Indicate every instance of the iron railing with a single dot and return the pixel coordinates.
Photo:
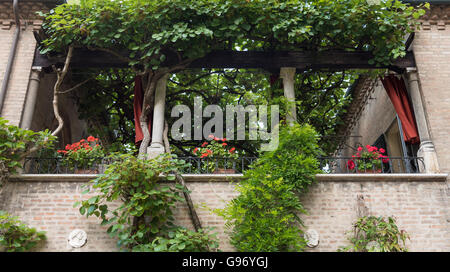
(389, 165)
(196, 165)
(34, 165)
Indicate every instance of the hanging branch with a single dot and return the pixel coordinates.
(61, 74)
(76, 86)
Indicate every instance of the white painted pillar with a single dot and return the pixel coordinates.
(157, 146)
(288, 76)
(30, 103)
(426, 149)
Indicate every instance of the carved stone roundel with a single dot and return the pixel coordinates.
(312, 238)
(77, 238)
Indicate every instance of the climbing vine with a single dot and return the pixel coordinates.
(137, 207)
(15, 236)
(265, 216)
(16, 144)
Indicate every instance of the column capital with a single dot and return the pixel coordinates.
(36, 73)
(287, 72)
(412, 74)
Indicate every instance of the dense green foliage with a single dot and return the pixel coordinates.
(15, 143)
(145, 211)
(106, 102)
(377, 234)
(146, 31)
(150, 34)
(182, 240)
(265, 216)
(15, 236)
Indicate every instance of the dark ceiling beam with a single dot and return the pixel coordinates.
(241, 59)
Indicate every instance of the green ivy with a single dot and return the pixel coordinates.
(146, 203)
(15, 236)
(146, 32)
(377, 234)
(182, 240)
(265, 216)
(15, 142)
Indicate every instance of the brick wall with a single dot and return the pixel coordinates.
(20, 73)
(432, 52)
(418, 204)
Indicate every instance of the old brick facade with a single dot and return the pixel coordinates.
(418, 203)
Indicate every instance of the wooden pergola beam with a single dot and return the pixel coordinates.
(334, 60)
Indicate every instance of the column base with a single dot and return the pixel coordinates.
(155, 150)
(430, 161)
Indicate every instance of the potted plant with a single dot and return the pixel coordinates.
(219, 159)
(368, 160)
(83, 155)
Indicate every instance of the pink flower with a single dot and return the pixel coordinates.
(360, 149)
(382, 150)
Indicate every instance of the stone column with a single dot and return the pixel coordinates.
(30, 103)
(157, 146)
(288, 76)
(426, 149)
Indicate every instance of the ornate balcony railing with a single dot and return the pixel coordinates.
(196, 165)
(389, 165)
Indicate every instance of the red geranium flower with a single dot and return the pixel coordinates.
(351, 165)
(91, 139)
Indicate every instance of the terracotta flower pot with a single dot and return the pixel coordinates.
(224, 171)
(86, 171)
(368, 171)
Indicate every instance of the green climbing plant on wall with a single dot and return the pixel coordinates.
(132, 198)
(265, 216)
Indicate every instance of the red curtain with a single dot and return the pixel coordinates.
(396, 90)
(137, 105)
